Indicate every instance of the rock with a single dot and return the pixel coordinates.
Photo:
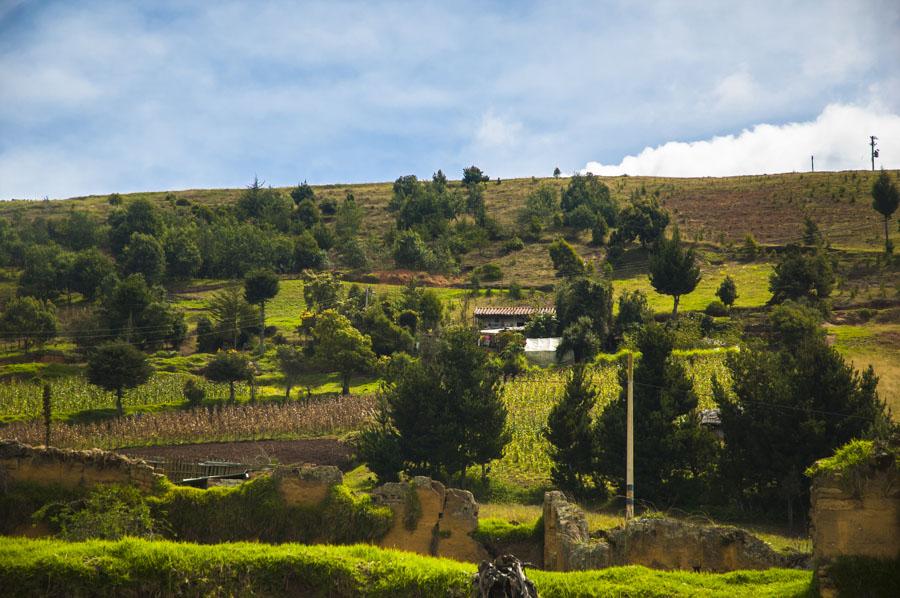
(458, 521)
(659, 543)
(416, 515)
(307, 485)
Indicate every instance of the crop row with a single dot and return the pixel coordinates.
(220, 423)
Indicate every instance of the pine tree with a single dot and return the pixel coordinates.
(569, 433)
(673, 269)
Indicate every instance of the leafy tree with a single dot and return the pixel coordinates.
(566, 261)
(78, 231)
(885, 199)
(264, 205)
(387, 337)
(233, 316)
(579, 338)
(801, 275)
(307, 253)
(645, 220)
(786, 410)
(446, 407)
(426, 302)
(427, 207)
(88, 270)
(229, 366)
(473, 174)
(307, 213)
(410, 251)
(586, 297)
(338, 346)
(133, 311)
(29, 320)
(302, 192)
(117, 366)
(193, 392)
(793, 324)
(321, 290)
(378, 445)
(727, 291)
(348, 219)
(671, 461)
(811, 233)
(140, 216)
(510, 346)
(439, 180)
(259, 287)
(183, 258)
(634, 312)
(589, 191)
(582, 217)
(43, 275)
(569, 433)
(556, 172)
(673, 269)
(475, 203)
(541, 326)
(144, 255)
(293, 365)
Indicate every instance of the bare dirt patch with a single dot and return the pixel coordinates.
(321, 451)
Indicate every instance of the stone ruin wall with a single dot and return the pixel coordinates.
(71, 469)
(658, 543)
(858, 517)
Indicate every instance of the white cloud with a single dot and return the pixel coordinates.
(737, 90)
(838, 139)
(496, 131)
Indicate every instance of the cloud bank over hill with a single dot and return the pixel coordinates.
(838, 139)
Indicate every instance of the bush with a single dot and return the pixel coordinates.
(716, 309)
(490, 272)
(194, 393)
(513, 244)
(108, 513)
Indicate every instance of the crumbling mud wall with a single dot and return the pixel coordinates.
(855, 511)
(430, 519)
(659, 543)
(71, 469)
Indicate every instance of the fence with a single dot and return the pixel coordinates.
(181, 469)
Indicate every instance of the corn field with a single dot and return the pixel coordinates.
(74, 393)
(529, 398)
(221, 423)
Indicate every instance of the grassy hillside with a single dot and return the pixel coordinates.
(715, 210)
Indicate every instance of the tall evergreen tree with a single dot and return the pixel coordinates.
(885, 199)
(569, 433)
(672, 452)
(673, 269)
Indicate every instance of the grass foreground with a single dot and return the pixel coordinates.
(140, 567)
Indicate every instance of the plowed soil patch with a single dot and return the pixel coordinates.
(321, 451)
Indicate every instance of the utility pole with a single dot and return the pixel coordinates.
(872, 144)
(812, 163)
(629, 443)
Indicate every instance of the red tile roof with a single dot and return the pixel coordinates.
(514, 311)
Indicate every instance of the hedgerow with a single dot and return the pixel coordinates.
(158, 568)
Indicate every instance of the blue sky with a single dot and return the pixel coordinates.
(97, 97)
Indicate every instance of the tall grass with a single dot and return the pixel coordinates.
(214, 424)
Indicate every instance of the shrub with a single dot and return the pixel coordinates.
(513, 244)
(194, 393)
(490, 272)
(108, 513)
(716, 309)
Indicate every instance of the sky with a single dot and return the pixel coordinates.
(99, 97)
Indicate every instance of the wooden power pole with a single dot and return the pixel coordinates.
(629, 443)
